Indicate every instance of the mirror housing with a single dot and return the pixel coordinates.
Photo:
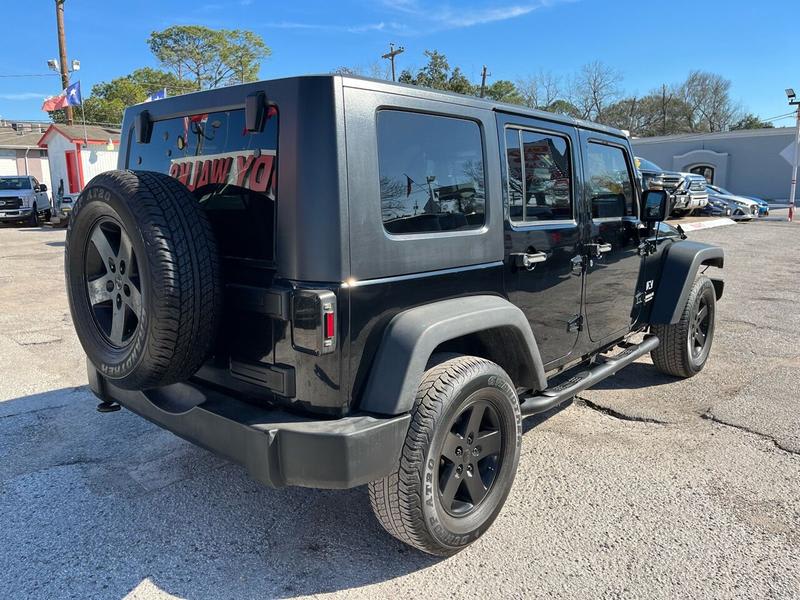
(655, 206)
(42, 187)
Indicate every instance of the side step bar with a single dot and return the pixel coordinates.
(562, 392)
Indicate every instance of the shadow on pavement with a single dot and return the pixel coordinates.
(635, 376)
(98, 505)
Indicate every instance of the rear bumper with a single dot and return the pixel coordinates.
(276, 447)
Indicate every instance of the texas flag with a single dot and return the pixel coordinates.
(69, 97)
(73, 94)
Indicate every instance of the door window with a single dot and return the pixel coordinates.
(609, 182)
(539, 181)
(431, 173)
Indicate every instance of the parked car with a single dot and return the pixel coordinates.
(716, 208)
(442, 265)
(742, 208)
(688, 190)
(23, 198)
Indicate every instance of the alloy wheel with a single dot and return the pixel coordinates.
(113, 284)
(470, 458)
(699, 329)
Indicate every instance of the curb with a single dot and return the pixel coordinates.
(697, 225)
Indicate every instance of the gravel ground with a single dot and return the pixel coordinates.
(644, 487)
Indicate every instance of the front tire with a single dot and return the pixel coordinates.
(459, 459)
(685, 345)
(34, 218)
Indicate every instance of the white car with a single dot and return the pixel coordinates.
(742, 209)
(23, 198)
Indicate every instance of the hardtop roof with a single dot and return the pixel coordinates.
(205, 98)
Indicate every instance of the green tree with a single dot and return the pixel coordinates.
(209, 57)
(563, 107)
(751, 121)
(108, 100)
(503, 90)
(438, 75)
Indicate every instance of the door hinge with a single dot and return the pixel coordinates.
(575, 323)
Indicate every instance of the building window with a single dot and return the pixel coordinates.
(704, 170)
(539, 181)
(431, 173)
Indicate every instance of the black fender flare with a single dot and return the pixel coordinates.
(412, 335)
(679, 268)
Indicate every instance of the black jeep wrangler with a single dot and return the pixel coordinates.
(335, 281)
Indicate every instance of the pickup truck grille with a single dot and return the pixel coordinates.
(698, 186)
(671, 181)
(8, 203)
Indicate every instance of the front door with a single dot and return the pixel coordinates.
(613, 246)
(542, 233)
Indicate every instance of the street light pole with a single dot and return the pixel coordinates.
(794, 102)
(794, 167)
(62, 54)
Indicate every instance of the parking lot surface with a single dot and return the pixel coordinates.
(645, 487)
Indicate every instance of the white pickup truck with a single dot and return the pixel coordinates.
(23, 198)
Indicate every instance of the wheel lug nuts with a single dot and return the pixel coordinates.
(469, 469)
(469, 439)
(459, 451)
(109, 286)
(122, 267)
(476, 450)
(459, 469)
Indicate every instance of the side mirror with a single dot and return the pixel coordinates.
(655, 206)
(42, 187)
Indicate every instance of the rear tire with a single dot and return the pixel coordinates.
(685, 345)
(143, 279)
(459, 459)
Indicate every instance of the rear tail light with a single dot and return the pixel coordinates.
(314, 321)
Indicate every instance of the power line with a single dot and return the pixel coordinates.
(31, 75)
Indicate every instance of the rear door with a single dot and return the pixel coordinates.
(613, 261)
(542, 224)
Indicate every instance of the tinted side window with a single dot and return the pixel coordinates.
(608, 182)
(539, 176)
(431, 173)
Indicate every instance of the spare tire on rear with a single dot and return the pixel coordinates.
(143, 278)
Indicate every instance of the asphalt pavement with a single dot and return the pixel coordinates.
(644, 487)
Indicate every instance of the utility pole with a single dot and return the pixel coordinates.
(794, 102)
(391, 54)
(663, 109)
(62, 54)
(484, 74)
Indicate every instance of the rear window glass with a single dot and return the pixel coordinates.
(231, 172)
(431, 173)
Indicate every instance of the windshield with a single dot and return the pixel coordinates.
(646, 165)
(15, 183)
(719, 190)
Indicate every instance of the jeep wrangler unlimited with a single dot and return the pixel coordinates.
(335, 281)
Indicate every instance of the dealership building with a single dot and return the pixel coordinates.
(750, 162)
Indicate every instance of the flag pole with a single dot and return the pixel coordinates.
(85, 135)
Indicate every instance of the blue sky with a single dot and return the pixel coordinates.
(754, 44)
